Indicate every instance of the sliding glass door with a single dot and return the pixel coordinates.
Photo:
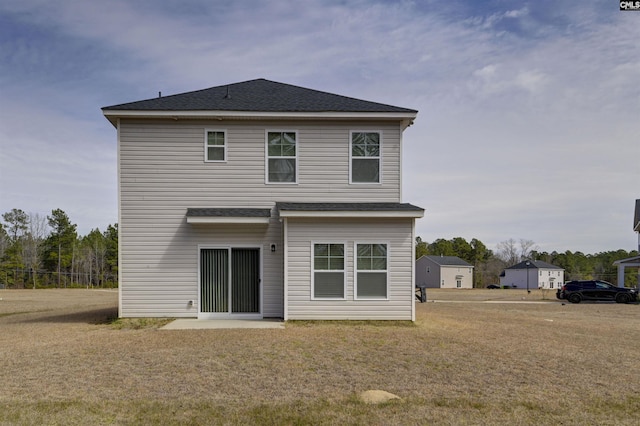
(229, 281)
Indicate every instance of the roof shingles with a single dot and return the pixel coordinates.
(258, 95)
(534, 264)
(363, 207)
(449, 261)
(228, 212)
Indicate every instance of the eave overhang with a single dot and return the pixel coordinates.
(243, 216)
(406, 119)
(349, 210)
(631, 261)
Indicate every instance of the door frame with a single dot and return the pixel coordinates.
(231, 315)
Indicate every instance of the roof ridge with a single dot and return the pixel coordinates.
(260, 95)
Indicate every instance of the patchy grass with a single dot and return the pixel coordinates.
(471, 357)
(351, 324)
(138, 323)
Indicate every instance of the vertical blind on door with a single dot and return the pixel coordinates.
(220, 280)
(214, 279)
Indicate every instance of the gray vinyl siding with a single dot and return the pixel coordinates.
(160, 269)
(164, 162)
(162, 172)
(395, 232)
(432, 278)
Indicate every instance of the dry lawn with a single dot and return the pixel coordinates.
(64, 360)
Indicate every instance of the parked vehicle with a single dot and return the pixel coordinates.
(577, 291)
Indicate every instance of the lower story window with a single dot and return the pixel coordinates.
(371, 271)
(328, 271)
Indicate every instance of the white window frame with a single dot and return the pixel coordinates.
(206, 145)
(313, 270)
(379, 157)
(267, 157)
(356, 270)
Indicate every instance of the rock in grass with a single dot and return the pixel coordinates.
(377, 396)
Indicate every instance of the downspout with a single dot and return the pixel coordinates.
(413, 271)
(119, 222)
(285, 250)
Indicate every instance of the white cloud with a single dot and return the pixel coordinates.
(52, 161)
(516, 13)
(525, 123)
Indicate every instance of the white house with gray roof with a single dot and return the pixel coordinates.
(632, 262)
(532, 275)
(443, 272)
(262, 199)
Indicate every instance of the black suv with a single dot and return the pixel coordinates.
(577, 291)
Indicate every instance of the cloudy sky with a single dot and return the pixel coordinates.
(528, 124)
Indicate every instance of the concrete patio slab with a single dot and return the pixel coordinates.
(196, 324)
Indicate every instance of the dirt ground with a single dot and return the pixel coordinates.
(472, 356)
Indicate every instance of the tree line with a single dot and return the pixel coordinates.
(43, 252)
(489, 264)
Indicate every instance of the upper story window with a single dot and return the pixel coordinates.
(365, 157)
(215, 145)
(282, 157)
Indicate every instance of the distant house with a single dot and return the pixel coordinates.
(262, 199)
(632, 262)
(636, 221)
(444, 272)
(532, 275)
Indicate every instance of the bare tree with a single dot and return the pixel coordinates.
(34, 244)
(510, 253)
(507, 251)
(95, 242)
(526, 247)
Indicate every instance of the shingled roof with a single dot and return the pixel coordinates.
(258, 95)
(287, 209)
(228, 215)
(448, 261)
(228, 212)
(348, 207)
(534, 264)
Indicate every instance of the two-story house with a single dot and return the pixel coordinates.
(632, 262)
(261, 199)
(532, 275)
(443, 272)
